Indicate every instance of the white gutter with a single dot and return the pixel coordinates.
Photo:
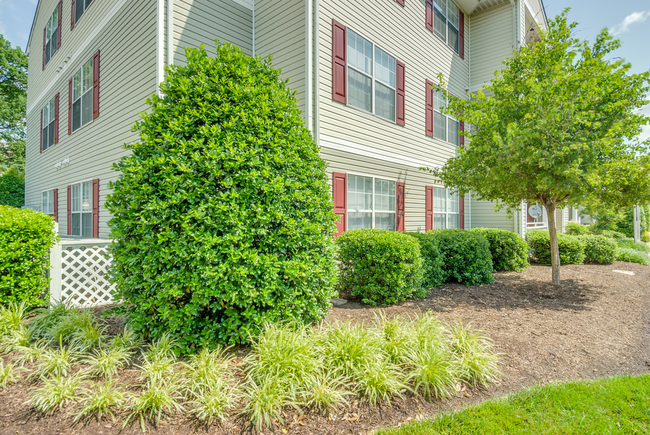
(317, 75)
(309, 69)
(160, 45)
(170, 32)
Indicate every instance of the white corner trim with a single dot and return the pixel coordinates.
(160, 45)
(170, 32)
(309, 33)
(249, 4)
(363, 150)
(73, 57)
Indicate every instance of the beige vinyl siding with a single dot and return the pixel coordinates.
(127, 78)
(199, 22)
(484, 215)
(402, 33)
(280, 31)
(491, 43)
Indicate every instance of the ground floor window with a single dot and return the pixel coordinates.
(446, 210)
(371, 203)
(47, 202)
(82, 209)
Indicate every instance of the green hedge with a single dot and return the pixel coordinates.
(633, 256)
(599, 249)
(576, 229)
(381, 267)
(631, 244)
(12, 190)
(433, 261)
(466, 256)
(612, 234)
(572, 249)
(509, 250)
(222, 214)
(25, 239)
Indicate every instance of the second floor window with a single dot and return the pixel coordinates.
(444, 127)
(81, 209)
(446, 210)
(82, 96)
(371, 203)
(80, 7)
(47, 202)
(447, 22)
(51, 35)
(371, 77)
(49, 123)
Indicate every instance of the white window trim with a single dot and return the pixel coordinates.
(372, 78)
(76, 21)
(372, 221)
(48, 124)
(47, 40)
(447, 118)
(50, 206)
(81, 94)
(92, 224)
(447, 213)
(446, 15)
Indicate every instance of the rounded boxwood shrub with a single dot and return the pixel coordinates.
(576, 229)
(12, 190)
(612, 234)
(25, 239)
(509, 250)
(466, 256)
(222, 214)
(599, 249)
(381, 267)
(433, 262)
(572, 249)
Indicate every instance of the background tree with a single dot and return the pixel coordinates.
(557, 126)
(13, 98)
(222, 215)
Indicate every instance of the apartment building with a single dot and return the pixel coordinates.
(361, 69)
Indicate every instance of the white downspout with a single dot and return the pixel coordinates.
(170, 32)
(514, 24)
(309, 69)
(160, 46)
(317, 74)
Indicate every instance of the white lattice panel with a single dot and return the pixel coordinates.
(84, 275)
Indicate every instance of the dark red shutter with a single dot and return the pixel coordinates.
(41, 130)
(58, 42)
(401, 2)
(72, 16)
(56, 205)
(401, 84)
(96, 85)
(70, 107)
(400, 206)
(462, 130)
(429, 18)
(69, 210)
(96, 208)
(56, 118)
(44, 41)
(461, 209)
(339, 63)
(340, 197)
(428, 207)
(461, 42)
(429, 109)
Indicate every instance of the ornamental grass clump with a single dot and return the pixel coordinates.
(475, 355)
(7, 374)
(12, 317)
(100, 400)
(105, 363)
(56, 392)
(224, 221)
(157, 399)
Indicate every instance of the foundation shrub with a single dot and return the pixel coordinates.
(380, 267)
(432, 260)
(599, 249)
(633, 256)
(572, 248)
(576, 229)
(466, 256)
(509, 250)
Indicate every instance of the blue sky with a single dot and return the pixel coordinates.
(629, 20)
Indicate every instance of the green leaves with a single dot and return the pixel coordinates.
(222, 214)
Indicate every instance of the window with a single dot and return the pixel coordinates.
(82, 209)
(80, 7)
(446, 22)
(446, 211)
(371, 77)
(445, 127)
(51, 36)
(47, 202)
(371, 203)
(82, 96)
(49, 122)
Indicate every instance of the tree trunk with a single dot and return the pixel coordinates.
(555, 248)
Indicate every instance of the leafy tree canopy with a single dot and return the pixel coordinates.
(557, 126)
(13, 98)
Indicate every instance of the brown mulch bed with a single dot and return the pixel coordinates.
(596, 325)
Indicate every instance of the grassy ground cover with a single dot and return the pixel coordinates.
(618, 405)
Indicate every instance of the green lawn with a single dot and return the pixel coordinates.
(619, 405)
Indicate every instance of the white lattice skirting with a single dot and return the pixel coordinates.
(79, 273)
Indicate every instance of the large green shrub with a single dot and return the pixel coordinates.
(509, 250)
(12, 190)
(433, 262)
(379, 266)
(466, 256)
(612, 234)
(576, 229)
(572, 249)
(25, 239)
(599, 249)
(222, 215)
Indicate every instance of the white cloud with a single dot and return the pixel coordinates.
(633, 18)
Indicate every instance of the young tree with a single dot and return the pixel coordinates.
(222, 215)
(13, 98)
(557, 126)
